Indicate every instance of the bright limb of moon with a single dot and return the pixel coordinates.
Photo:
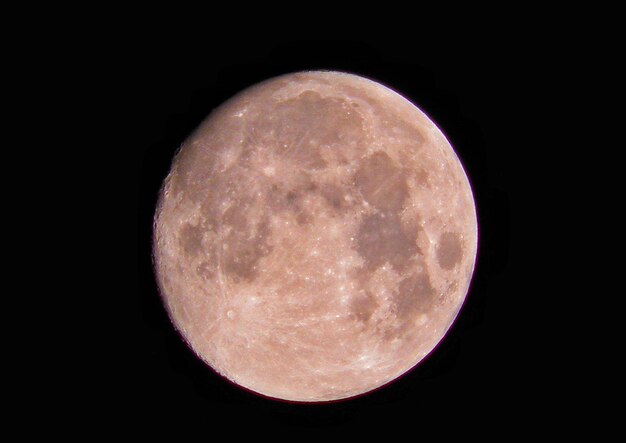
(315, 237)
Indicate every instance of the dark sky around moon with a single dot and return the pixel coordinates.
(470, 94)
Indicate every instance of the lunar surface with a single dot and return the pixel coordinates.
(315, 237)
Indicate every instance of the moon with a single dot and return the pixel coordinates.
(315, 237)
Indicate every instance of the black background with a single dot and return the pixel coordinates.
(478, 92)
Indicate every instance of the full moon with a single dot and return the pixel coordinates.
(315, 237)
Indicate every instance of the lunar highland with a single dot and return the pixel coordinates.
(315, 237)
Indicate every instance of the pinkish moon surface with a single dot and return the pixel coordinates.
(315, 237)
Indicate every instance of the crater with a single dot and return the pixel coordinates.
(406, 132)
(382, 238)
(449, 250)
(381, 183)
(205, 271)
(243, 253)
(335, 196)
(246, 242)
(299, 126)
(303, 217)
(291, 198)
(219, 188)
(414, 298)
(363, 306)
(191, 239)
(283, 199)
(415, 295)
(421, 177)
(193, 166)
(393, 125)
